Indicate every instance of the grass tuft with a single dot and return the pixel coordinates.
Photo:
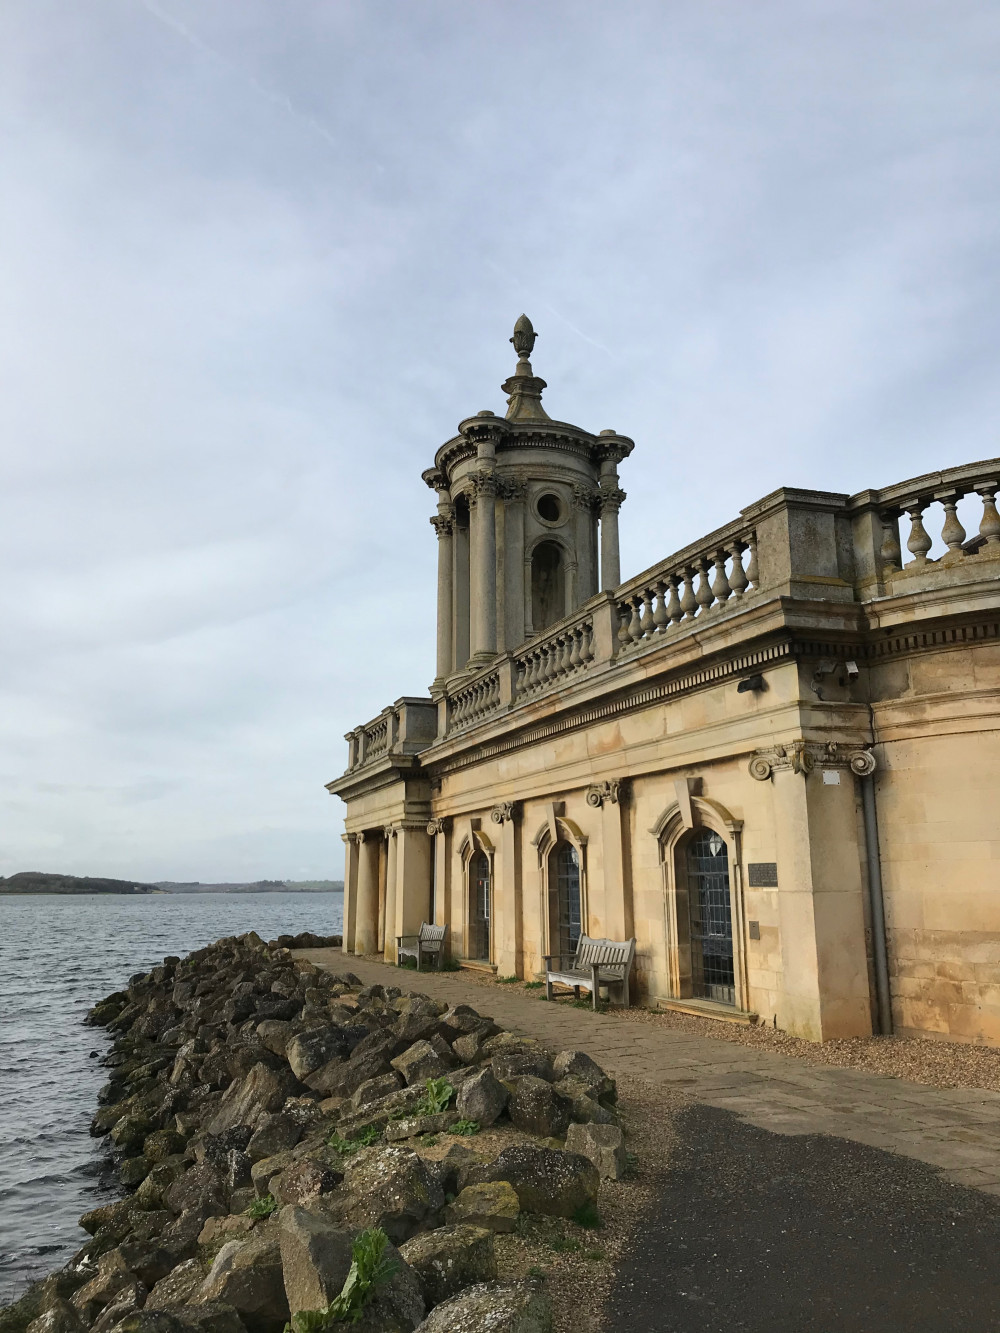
(533, 985)
(507, 981)
(347, 1146)
(466, 1127)
(261, 1208)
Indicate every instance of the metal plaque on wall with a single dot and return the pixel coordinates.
(763, 874)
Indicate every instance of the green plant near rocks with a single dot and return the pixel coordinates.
(587, 1216)
(369, 1270)
(407, 960)
(450, 965)
(533, 985)
(507, 981)
(438, 1092)
(347, 1146)
(261, 1208)
(466, 1127)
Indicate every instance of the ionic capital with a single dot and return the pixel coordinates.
(804, 756)
(435, 826)
(611, 791)
(505, 812)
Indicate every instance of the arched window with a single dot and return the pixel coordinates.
(712, 971)
(479, 906)
(548, 586)
(564, 875)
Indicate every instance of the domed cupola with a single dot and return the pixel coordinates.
(520, 498)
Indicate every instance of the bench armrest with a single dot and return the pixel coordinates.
(401, 938)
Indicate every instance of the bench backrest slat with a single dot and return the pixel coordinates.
(602, 953)
(431, 934)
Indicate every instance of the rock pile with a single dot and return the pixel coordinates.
(266, 1114)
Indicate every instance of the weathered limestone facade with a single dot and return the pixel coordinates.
(748, 757)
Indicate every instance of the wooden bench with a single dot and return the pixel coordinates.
(427, 943)
(596, 963)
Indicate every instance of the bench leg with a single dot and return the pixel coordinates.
(576, 992)
(548, 989)
(419, 955)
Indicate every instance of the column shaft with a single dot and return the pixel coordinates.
(484, 570)
(413, 879)
(389, 940)
(611, 569)
(445, 598)
(350, 889)
(366, 916)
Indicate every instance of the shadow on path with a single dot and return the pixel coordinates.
(758, 1231)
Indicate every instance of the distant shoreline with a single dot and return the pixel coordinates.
(32, 883)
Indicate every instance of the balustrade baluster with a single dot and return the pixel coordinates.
(738, 578)
(646, 619)
(574, 652)
(689, 603)
(703, 592)
(721, 590)
(918, 543)
(587, 643)
(624, 620)
(752, 575)
(660, 618)
(892, 556)
(989, 529)
(635, 624)
(533, 664)
(952, 533)
(674, 611)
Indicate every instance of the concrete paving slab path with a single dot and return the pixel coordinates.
(955, 1130)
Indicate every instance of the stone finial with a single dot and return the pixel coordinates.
(524, 389)
(524, 338)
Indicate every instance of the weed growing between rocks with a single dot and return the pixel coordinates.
(369, 1270)
(261, 1208)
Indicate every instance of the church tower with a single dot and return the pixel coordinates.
(527, 522)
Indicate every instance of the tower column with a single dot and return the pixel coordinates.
(484, 568)
(444, 527)
(611, 565)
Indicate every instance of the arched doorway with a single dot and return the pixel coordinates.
(712, 968)
(479, 907)
(548, 586)
(564, 878)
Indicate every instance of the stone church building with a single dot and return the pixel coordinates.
(773, 758)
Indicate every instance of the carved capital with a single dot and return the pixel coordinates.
(436, 826)
(513, 487)
(586, 499)
(611, 500)
(483, 486)
(505, 812)
(443, 525)
(610, 791)
(804, 756)
(389, 831)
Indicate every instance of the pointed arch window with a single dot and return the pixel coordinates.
(564, 875)
(480, 906)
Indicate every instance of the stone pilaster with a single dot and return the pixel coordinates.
(389, 921)
(507, 908)
(366, 916)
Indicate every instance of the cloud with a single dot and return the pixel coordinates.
(258, 261)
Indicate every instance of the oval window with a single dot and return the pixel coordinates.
(549, 508)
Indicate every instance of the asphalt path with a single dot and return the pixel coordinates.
(755, 1231)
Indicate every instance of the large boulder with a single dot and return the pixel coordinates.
(482, 1097)
(604, 1145)
(277, 1133)
(579, 1065)
(493, 1205)
(584, 1107)
(546, 1180)
(309, 1050)
(420, 1062)
(342, 1078)
(113, 1274)
(247, 1275)
(60, 1317)
(304, 1180)
(213, 1317)
(274, 1034)
(178, 1287)
(535, 1108)
(248, 1100)
(201, 1189)
(374, 1089)
(315, 1259)
(449, 1259)
(493, 1307)
(392, 1188)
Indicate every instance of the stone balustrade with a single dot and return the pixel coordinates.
(697, 582)
(909, 503)
(561, 653)
(475, 700)
(790, 545)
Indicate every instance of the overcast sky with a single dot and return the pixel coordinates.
(259, 257)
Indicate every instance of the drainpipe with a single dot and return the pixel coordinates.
(877, 905)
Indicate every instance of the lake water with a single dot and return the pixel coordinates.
(58, 956)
